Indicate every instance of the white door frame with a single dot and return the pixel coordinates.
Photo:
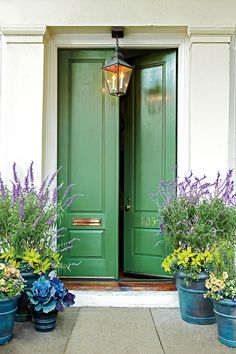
(133, 40)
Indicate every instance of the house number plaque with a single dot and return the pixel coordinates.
(148, 221)
(87, 222)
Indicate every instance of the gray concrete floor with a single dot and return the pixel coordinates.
(117, 331)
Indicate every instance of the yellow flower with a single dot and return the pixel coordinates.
(208, 255)
(2, 266)
(32, 257)
(167, 263)
(2, 282)
(197, 261)
(185, 256)
(220, 283)
(208, 284)
(225, 275)
(214, 288)
(175, 253)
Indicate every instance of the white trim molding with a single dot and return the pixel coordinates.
(210, 34)
(232, 106)
(23, 34)
(140, 39)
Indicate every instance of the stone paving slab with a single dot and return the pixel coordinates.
(179, 337)
(27, 341)
(114, 331)
(117, 331)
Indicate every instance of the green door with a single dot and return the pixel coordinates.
(88, 153)
(150, 156)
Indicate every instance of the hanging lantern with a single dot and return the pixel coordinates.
(117, 73)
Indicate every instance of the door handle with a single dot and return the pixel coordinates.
(128, 206)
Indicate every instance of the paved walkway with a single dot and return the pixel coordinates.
(117, 331)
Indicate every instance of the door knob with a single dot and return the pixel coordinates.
(128, 206)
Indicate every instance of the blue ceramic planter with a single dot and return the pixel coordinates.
(44, 322)
(194, 307)
(23, 312)
(7, 314)
(225, 311)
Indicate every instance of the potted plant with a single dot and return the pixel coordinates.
(31, 265)
(11, 285)
(28, 219)
(196, 217)
(191, 270)
(221, 288)
(48, 296)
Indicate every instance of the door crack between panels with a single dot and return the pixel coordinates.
(158, 336)
(64, 352)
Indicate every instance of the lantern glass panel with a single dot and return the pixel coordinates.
(111, 79)
(117, 79)
(124, 75)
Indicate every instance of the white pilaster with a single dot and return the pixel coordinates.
(209, 99)
(21, 98)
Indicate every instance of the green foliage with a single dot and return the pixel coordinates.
(28, 222)
(196, 213)
(200, 217)
(189, 262)
(32, 260)
(200, 225)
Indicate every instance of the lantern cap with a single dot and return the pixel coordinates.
(117, 58)
(117, 32)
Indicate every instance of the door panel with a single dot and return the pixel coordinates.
(88, 153)
(150, 156)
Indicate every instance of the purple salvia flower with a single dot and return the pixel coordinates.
(2, 188)
(38, 218)
(55, 193)
(41, 193)
(26, 183)
(162, 228)
(53, 178)
(67, 191)
(50, 221)
(31, 173)
(15, 173)
(70, 201)
(21, 212)
(16, 191)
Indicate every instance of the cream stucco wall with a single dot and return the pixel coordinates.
(21, 103)
(123, 12)
(209, 107)
(206, 133)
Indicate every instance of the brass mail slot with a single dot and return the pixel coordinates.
(86, 222)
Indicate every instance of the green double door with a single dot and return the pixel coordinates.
(88, 151)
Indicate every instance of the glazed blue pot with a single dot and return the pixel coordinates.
(225, 311)
(194, 307)
(7, 314)
(44, 322)
(23, 312)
